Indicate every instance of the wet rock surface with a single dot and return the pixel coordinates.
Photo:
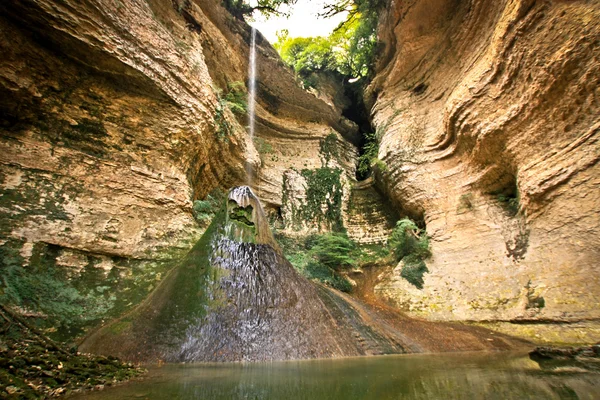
(556, 358)
(240, 300)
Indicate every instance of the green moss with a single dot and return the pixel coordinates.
(33, 367)
(323, 204)
(120, 326)
(328, 147)
(43, 288)
(242, 215)
(68, 301)
(198, 282)
(234, 99)
(42, 195)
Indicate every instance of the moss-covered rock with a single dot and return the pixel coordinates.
(34, 367)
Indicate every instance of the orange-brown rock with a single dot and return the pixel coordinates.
(113, 122)
(491, 118)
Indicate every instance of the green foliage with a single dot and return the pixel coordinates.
(322, 257)
(241, 8)
(407, 238)
(370, 154)
(235, 100)
(41, 288)
(510, 203)
(357, 39)
(307, 55)
(411, 245)
(329, 148)
(323, 203)
(223, 125)
(323, 197)
(323, 274)
(205, 210)
(413, 270)
(350, 50)
(334, 250)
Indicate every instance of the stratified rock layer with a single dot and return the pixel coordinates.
(112, 121)
(491, 118)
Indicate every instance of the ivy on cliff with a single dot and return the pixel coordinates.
(323, 197)
(323, 258)
(234, 99)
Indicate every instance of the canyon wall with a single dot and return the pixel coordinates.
(114, 119)
(490, 119)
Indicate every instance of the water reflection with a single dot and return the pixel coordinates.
(456, 376)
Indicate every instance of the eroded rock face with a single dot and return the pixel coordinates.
(112, 123)
(490, 111)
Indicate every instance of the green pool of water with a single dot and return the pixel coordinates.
(432, 376)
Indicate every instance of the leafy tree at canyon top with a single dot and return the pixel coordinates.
(349, 50)
(241, 8)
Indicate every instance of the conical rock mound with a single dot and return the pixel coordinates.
(236, 298)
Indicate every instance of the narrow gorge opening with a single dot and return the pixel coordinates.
(358, 113)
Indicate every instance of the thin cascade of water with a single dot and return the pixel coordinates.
(251, 94)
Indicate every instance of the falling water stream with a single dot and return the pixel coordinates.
(235, 298)
(251, 95)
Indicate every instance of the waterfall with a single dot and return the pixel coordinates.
(251, 94)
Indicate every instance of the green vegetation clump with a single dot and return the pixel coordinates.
(323, 258)
(465, 202)
(242, 8)
(205, 210)
(510, 203)
(323, 204)
(370, 156)
(328, 147)
(334, 250)
(411, 245)
(32, 366)
(324, 197)
(349, 51)
(235, 100)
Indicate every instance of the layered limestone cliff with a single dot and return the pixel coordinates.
(491, 117)
(113, 121)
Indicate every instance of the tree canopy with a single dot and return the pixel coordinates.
(349, 50)
(241, 8)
